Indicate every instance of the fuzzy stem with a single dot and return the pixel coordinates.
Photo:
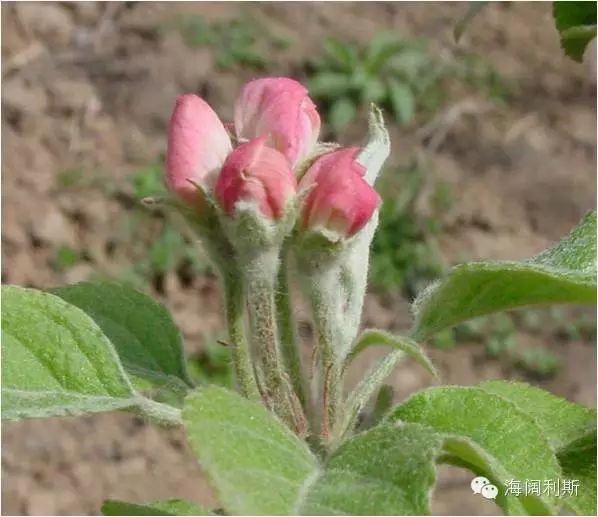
(260, 272)
(233, 303)
(289, 346)
(327, 306)
(163, 414)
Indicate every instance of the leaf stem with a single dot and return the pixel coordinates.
(162, 413)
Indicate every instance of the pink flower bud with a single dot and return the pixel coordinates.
(198, 144)
(341, 200)
(279, 108)
(254, 172)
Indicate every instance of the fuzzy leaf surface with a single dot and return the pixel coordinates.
(388, 470)
(561, 421)
(578, 461)
(142, 331)
(55, 360)
(565, 273)
(571, 430)
(257, 465)
(167, 507)
(490, 435)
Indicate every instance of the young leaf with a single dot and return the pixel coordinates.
(565, 273)
(402, 100)
(388, 470)
(360, 396)
(374, 337)
(257, 465)
(56, 360)
(576, 23)
(168, 507)
(147, 340)
(578, 461)
(490, 433)
(382, 405)
(561, 421)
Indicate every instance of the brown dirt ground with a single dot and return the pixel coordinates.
(90, 86)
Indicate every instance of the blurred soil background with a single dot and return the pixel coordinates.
(494, 156)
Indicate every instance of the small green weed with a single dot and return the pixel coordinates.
(213, 364)
(399, 74)
(404, 255)
(499, 334)
(65, 258)
(170, 250)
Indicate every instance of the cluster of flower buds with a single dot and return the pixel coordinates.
(264, 188)
(276, 129)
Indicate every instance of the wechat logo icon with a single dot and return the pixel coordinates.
(482, 486)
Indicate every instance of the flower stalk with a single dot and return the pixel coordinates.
(241, 355)
(287, 331)
(259, 277)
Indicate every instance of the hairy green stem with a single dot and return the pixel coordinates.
(287, 331)
(241, 355)
(327, 306)
(260, 273)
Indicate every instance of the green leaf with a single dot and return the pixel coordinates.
(375, 337)
(55, 359)
(576, 23)
(402, 100)
(571, 431)
(388, 470)
(168, 507)
(341, 113)
(380, 52)
(463, 452)
(491, 434)
(578, 461)
(472, 10)
(561, 421)
(148, 342)
(382, 405)
(565, 273)
(257, 465)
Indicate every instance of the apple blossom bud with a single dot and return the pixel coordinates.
(256, 173)
(279, 108)
(198, 145)
(340, 200)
